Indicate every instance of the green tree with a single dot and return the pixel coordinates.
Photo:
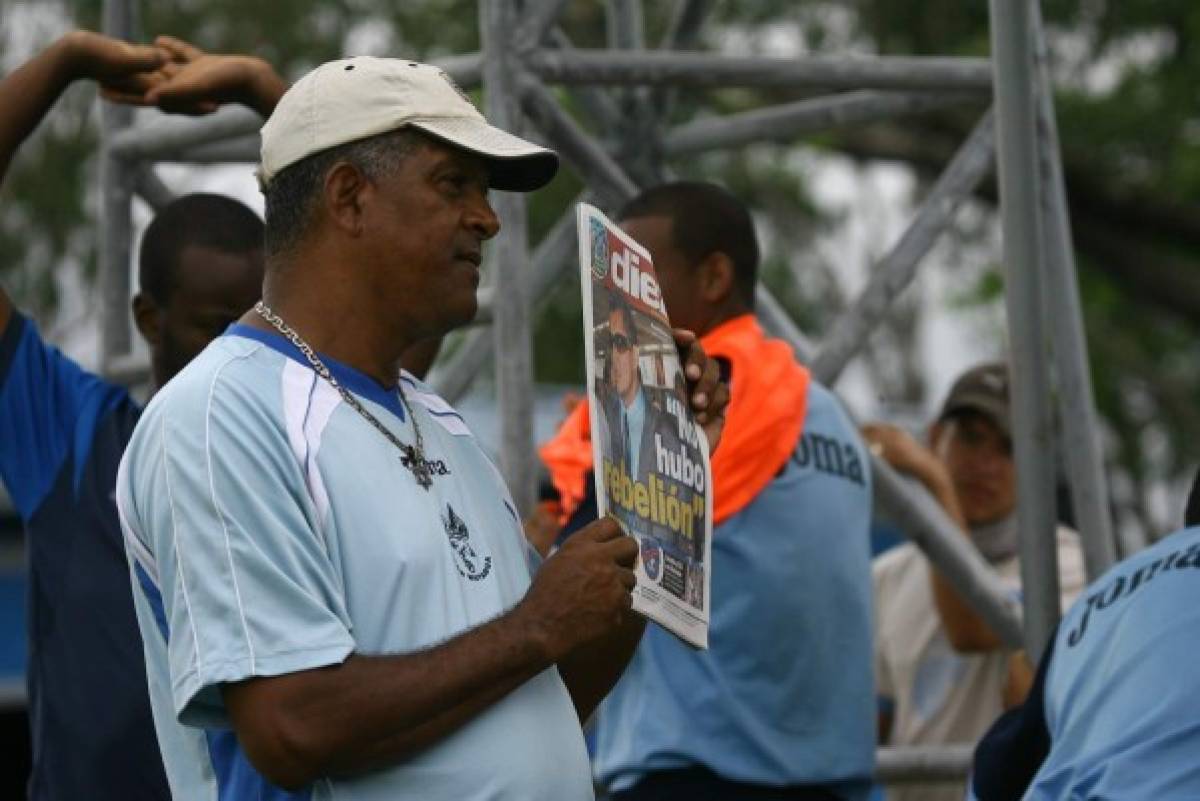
(1125, 77)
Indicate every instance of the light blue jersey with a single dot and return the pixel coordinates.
(785, 693)
(271, 529)
(1115, 709)
(1122, 706)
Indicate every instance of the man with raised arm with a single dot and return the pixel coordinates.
(331, 578)
(62, 432)
(942, 674)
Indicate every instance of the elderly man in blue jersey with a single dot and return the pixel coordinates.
(62, 432)
(1115, 708)
(332, 583)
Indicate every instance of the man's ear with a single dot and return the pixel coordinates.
(343, 197)
(147, 316)
(716, 274)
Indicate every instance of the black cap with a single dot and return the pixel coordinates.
(983, 389)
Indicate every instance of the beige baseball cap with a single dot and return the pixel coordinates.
(354, 98)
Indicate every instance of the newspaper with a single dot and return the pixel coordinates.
(651, 457)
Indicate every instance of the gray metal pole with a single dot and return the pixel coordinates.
(1130, 540)
(241, 149)
(167, 136)
(466, 69)
(509, 256)
(553, 257)
(683, 31)
(116, 229)
(817, 72)
(593, 100)
(684, 26)
(896, 270)
(1033, 434)
(777, 322)
(626, 28)
(637, 129)
(538, 20)
(585, 155)
(924, 763)
(787, 121)
(150, 188)
(1082, 448)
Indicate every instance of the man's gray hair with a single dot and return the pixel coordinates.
(293, 194)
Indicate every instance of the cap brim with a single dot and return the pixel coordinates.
(515, 165)
(988, 406)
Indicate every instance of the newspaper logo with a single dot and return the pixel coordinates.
(651, 559)
(599, 249)
(469, 564)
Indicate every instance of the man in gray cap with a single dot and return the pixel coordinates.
(332, 583)
(941, 673)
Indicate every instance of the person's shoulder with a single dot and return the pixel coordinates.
(22, 346)
(824, 410)
(821, 396)
(418, 392)
(230, 367)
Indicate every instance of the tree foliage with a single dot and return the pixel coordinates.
(1125, 76)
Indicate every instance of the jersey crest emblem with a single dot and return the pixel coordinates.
(470, 564)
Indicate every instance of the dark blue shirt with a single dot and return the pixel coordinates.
(62, 433)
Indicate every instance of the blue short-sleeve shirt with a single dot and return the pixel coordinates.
(1114, 711)
(62, 432)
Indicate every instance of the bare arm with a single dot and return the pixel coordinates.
(196, 82)
(592, 670)
(370, 712)
(1019, 680)
(29, 92)
(967, 631)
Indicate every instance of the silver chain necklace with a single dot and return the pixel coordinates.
(411, 456)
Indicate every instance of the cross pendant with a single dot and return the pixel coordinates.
(417, 466)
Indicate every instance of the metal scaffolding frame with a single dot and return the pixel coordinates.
(626, 90)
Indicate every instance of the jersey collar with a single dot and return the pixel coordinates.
(351, 378)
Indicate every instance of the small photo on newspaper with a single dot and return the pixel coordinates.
(650, 456)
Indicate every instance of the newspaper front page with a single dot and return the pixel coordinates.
(650, 456)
